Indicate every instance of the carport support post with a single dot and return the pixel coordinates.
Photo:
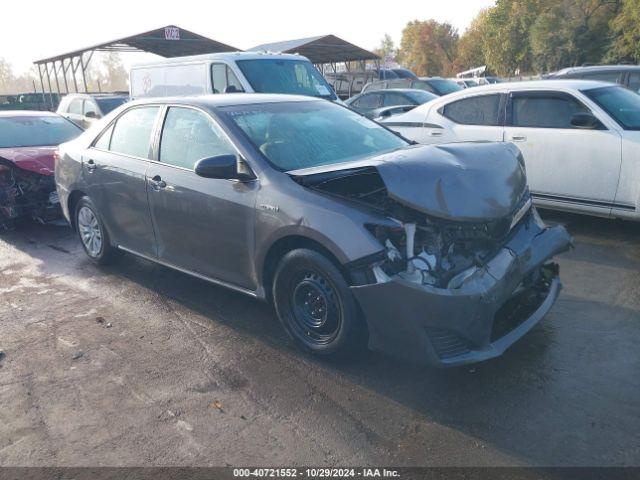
(55, 72)
(44, 99)
(46, 69)
(73, 72)
(64, 76)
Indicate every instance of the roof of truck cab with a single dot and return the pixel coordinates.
(227, 99)
(228, 56)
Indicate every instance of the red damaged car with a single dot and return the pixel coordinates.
(28, 141)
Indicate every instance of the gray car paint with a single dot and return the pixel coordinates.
(224, 230)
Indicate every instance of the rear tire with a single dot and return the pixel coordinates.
(316, 307)
(93, 236)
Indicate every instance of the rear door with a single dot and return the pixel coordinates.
(201, 224)
(114, 169)
(367, 103)
(474, 118)
(564, 163)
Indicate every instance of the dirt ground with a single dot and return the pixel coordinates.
(136, 364)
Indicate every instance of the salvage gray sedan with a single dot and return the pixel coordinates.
(432, 253)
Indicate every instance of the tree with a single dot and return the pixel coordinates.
(470, 52)
(7, 77)
(572, 32)
(626, 31)
(387, 50)
(429, 47)
(507, 48)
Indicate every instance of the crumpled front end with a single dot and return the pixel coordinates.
(26, 194)
(417, 310)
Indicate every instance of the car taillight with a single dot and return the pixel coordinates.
(56, 156)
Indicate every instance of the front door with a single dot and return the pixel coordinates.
(115, 169)
(564, 163)
(203, 225)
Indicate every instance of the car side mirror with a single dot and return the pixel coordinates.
(91, 114)
(226, 167)
(585, 120)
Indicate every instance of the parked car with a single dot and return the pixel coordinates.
(487, 80)
(404, 73)
(580, 139)
(373, 103)
(436, 85)
(29, 101)
(230, 73)
(85, 108)
(627, 75)
(28, 140)
(465, 82)
(354, 234)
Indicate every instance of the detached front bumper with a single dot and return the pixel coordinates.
(490, 311)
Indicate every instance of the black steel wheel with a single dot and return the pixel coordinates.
(315, 305)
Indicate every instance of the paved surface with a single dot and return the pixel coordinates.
(192, 374)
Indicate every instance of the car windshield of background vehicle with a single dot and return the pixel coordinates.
(108, 104)
(421, 96)
(295, 135)
(443, 87)
(622, 104)
(31, 131)
(296, 77)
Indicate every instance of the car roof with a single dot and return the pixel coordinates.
(596, 68)
(399, 90)
(531, 85)
(27, 113)
(227, 99)
(96, 95)
(231, 56)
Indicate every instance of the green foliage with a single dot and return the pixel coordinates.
(527, 36)
(387, 50)
(626, 32)
(429, 47)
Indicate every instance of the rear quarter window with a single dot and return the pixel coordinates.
(478, 110)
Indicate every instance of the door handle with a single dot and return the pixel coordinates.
(435, 134)
(157, 183)
(518, 138)
(91, 165)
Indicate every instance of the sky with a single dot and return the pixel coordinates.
(51, 28)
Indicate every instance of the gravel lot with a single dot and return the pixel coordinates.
(136, 364)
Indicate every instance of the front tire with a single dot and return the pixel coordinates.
(315, 306)
(93, 236)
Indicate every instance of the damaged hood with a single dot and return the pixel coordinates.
(39, 160)
(474, 181)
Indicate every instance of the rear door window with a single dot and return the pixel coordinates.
(89, 106)
(189, 135)
(75, 106)
(634, 81)
(132, 132)
(544, 110)
(393, 98)
(478, 110)
(371, 100)
(602, 76)
(219, 77)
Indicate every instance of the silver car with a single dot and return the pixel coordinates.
(432, 253)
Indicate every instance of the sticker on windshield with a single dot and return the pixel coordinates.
(322, 90)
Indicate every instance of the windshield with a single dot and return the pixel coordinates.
(622, 104)
(298, 77)
(443, 87)
(421, 96)
(32, 131)
(294, 135)
(108, 104)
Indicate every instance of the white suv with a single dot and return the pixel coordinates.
(580, 139)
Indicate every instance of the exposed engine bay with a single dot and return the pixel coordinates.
(423, 249)
(26, 194)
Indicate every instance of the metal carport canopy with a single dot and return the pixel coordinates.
(169, 41)
(321, 49)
